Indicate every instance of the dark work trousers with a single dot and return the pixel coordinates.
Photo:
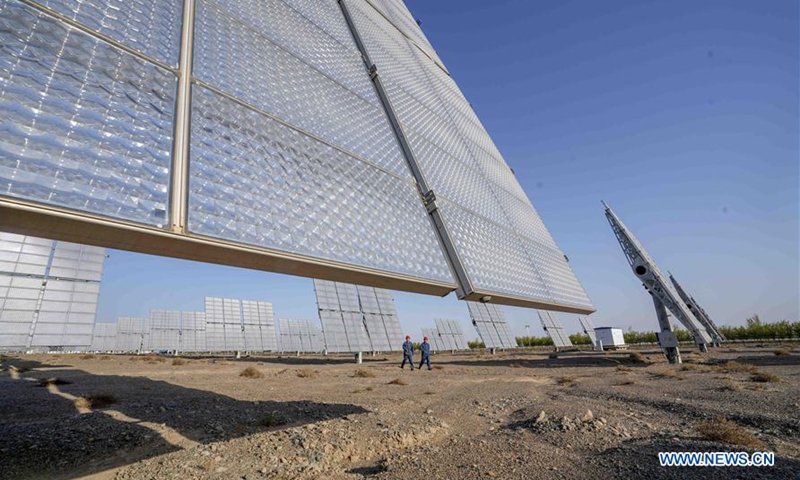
(425, 359)
(410, 360)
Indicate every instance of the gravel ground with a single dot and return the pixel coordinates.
(510, 415)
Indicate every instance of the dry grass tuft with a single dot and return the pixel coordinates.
(730, 387)
(428, 392)
(46, 382)
(636, 357)
(565, 380)
(763, 377)
(179, 361)
(97, 401)
(514, 365)
(726, 431)
(251, 372)
(671, 374)
(306, 373)
(87, 357)
(369, 389)
(438, 367)
(622, 368)
(553, 355)
(736, 367)
(105, 357)
(693, 367)
(398, 381)
(627, 382)
(363, 373)
(781, 352)
(272, 419)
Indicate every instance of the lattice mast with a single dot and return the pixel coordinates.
(645, 269)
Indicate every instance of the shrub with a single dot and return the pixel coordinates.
(553, 355)
(781, 352)
(363, 373)
(306, 373)
(179, 361)
(398, 381)
(763, 377)
(636, 357)
(96, 401)
(87, 357)
(726, 431)
(251, 372)
(565, 380)
(736, 367)
(272, 419)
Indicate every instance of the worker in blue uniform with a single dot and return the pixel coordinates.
(425, 350)
(408, 353)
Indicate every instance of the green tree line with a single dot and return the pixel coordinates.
(754, 330)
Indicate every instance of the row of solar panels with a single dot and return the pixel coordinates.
(356, 318)
(265, 129)
(226, 325)
(48, 292)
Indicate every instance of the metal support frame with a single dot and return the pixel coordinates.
(653, 280)
(179, 173)
(666, 337)
(698, 312)
(428, 196)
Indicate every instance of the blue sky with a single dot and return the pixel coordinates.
(682, 115)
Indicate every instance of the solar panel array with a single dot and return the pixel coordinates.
(356, 318)
(588, 328)
(433, 338)
(48, 292)
(449, 335)
(133, 334)
(283, 139)
(165, 330)
(104, 337)
(554, 329)
(491, 324)
(236, 325)
(380, 318)
(653, 280)
(258, 322)
(193, 332)
(300, 336)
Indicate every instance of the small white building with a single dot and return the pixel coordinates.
(610, 338)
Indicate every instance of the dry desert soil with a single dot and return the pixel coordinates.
(511, 415)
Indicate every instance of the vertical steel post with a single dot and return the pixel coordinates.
(179, 171)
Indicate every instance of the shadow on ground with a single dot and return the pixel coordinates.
(43, 434)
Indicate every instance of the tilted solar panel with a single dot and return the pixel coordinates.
(588, 328)
(256, 135)
(554, 329)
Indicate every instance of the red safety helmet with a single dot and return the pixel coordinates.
(424, 339)
(408, 337)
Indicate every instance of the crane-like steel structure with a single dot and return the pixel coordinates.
(664, 297)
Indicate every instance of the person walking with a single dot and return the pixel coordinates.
(408, 353)
(425, 350)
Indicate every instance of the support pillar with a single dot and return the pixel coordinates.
(359, 358)
(666, 337)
